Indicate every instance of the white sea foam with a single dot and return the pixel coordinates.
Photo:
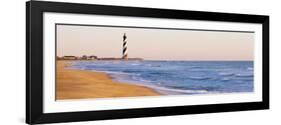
(250, 68)
(244, 75)
(226, 74)
(171, 91)
(112, 72)
(225, 79)
(198, 78)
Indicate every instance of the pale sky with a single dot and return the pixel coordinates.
(154, 44)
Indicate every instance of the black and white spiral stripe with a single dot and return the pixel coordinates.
(125, 51)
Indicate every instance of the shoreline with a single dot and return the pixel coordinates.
(82, 84)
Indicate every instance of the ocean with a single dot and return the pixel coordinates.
(179, 77)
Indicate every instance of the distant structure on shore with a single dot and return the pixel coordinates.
(68, 58)
(125, 52)
(84, 57)
(93, 57)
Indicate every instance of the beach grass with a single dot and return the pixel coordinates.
(82, 84)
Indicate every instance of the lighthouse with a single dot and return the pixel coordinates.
(125, 51)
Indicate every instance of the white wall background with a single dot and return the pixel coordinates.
(12, 62)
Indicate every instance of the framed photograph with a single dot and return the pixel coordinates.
(95, 62)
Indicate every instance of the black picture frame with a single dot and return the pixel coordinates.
(34, 61)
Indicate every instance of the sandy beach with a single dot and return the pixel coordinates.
(81, 84)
